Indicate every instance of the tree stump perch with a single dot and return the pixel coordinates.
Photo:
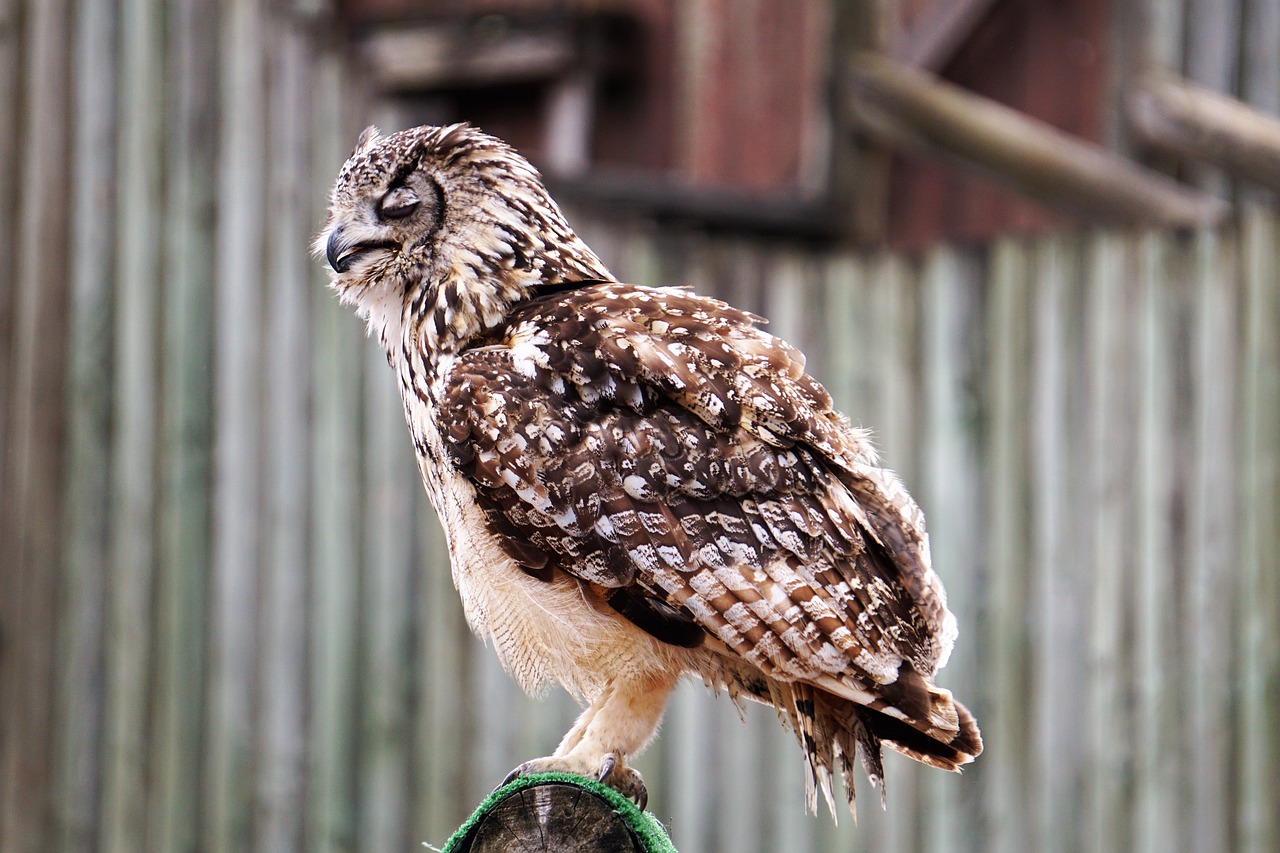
(558, 811)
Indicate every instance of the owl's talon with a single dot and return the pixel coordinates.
(512, 776)
(606, 766)
(623, 779)
(613, 772)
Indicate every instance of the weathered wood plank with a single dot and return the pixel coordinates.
(80, 702)
(282, 730)
(1212, 582)
(12, 86)
(1258, 823)
(384, 615)
(1260, 62)
(237, 505)
(1111, 453)
(690, 747)
(1008, 492)
(129, 630)
(185, 430)
(1156, 781)
(335, 473)
(949, 491)
(31, 467)
(441, 803)
(1260, 69)
(1062, 579)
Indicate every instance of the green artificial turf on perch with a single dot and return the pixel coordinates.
(558, 811)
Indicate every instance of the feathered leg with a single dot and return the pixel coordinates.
(613, 728)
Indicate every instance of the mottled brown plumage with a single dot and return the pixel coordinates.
(637, 483)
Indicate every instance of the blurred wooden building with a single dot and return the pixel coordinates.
(759, 115)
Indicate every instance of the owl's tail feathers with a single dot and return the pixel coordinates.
(833, 729)
(946, 747)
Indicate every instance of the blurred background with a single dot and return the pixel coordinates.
(1033, 244)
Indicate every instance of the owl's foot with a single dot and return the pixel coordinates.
(612, 771)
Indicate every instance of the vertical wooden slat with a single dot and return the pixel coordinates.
(446, 649)
(1007, 724)
(688, 740)
(950, 494)
(1156, 784)
(1111, 453)
(129, 630)
(1047, 375)
(31, 457)
(1259, 639)
(12, 94)
(79, 703)
(1260, 71)
(185, 430)
(1163, 25)
(1260, 65)
(337, 357)
(385, 612)
(233, 636)
(1212, 582)
(282, 733)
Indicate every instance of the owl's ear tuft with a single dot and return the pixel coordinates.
(368, 138)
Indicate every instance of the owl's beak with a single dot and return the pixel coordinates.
(343, 249)
(338, 251)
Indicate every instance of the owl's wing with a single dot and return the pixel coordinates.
(657, 445)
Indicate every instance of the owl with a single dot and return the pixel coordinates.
(637, 483)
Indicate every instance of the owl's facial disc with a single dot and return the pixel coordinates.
(402, 217)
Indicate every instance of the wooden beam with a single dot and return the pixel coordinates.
(467, 53)
(712, 207)
(1171, 113)
(917, 111)
(930, 44)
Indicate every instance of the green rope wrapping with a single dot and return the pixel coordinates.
(644, 826)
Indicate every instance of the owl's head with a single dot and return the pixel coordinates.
(445, 218)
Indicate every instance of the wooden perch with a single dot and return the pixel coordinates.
(561, 812)
(552, 817)
(918, 111)
(1175, 115)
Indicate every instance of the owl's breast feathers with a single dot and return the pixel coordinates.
(658, 446)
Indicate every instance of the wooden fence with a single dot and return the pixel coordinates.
(226, 622)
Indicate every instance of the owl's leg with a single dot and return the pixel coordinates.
(616, 726)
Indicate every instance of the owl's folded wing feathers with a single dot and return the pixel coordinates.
(657, 445)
